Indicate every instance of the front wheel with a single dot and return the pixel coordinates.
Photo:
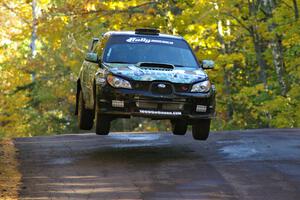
(179, 127)
(102, 124)
(200, 129)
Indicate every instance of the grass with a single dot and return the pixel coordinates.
(9, 175)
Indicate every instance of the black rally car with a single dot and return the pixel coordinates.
(148, 74)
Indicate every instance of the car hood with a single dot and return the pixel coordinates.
(184, 75)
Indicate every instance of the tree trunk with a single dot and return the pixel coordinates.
(34, 28)
(296, 10)
(229, 110)
(259, 57)
(225, 49)
(33, 34)
(252, 7)
(276, 46)
(278, 61)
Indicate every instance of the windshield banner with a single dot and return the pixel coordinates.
(148, 40)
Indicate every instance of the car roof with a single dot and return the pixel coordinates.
(132, 33)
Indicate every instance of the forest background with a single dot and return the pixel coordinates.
(255, 44)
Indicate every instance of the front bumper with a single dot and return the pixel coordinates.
(128, 102)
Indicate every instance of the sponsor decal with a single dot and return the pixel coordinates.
(175, 76)
(147, 41)
(123, 68)
(155, 112)
(136, 71)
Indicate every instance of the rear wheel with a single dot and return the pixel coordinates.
(200, 129)
(85, 116)
(179, 127)
(102, 123)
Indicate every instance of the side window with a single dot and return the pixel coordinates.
(93, 45)
(101, 46)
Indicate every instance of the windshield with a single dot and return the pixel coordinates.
(129, 49)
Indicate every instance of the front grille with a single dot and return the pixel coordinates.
(161, 88)
(141, 85)
(182, 87)
(145, 86)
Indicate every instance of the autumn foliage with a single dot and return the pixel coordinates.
(255, 44)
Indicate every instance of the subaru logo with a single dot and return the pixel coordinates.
(161, 85)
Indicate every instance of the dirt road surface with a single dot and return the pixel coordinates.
(250, 165)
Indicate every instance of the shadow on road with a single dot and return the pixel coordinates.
(143, 155)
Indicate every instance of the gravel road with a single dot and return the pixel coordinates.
(254, 164)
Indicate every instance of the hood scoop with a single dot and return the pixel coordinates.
(155, 66)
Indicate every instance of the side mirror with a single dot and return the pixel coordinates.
(208, 64)
(92, 57)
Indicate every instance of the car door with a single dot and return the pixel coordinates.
(88, 71)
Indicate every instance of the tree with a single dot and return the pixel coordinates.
(255, 45)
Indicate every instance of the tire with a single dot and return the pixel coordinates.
(179, 127)
(85, 116)
(201, 129)
(102, 124)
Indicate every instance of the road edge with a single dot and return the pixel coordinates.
(10, 177)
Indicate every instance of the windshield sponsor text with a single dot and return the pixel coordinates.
(147, 41)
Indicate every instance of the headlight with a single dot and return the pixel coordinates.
(118, 82)
(201, 87)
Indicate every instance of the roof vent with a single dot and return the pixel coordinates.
(146, 31)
